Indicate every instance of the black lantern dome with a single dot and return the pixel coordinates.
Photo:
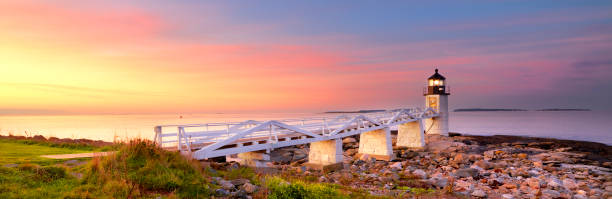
(437, 76)
(436, 85)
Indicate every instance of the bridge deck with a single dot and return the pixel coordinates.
(220, 139)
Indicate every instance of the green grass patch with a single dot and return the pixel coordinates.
(416, 190)
(23, 151)
(280, 189)
(31, 181)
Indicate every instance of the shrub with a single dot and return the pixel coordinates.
(141, 167)
(50, 173)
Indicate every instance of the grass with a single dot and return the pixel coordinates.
(280, 189)
(138, 170)
(416, 190)
(35, 182)
(20, 152)
(141, 169)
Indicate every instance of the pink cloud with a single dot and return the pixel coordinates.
(58, 23)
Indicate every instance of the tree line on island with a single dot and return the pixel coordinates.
(469, 110)
(504, 109)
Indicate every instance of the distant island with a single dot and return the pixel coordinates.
(564, 109)
(504, 109)
(485, 109)
(359, 111)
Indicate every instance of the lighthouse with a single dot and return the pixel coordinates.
(436, 97)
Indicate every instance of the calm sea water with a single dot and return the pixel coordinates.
(591, 126)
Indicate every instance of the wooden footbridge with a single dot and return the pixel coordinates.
(220, 139)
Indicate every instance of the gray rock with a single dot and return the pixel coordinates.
(299, 156)
(464, 185)
(489, 155)
(551, 193)
(479, 193)
(372, 175)
(420, 173)
(10, 165)
(71, 162)
(396, 166)
(249, 188)
(388, 186)
(322, 179)
(483, 164)
(222, 192)
(466, 172)
(439, 182)
(569, 184)
(216, 180)
(533, 172)
(534, 183)
(580, 196)
(238, 182)
(226, 184)
(240, 194)
(507, 196)
(211, 171)
(554, 182)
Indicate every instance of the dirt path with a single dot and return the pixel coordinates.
(77, 155)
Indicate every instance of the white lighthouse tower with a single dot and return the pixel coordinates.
(436, 97)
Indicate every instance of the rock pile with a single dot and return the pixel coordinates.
(462, 166)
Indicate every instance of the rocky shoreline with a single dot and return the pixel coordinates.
(467, 166)
(457, 166)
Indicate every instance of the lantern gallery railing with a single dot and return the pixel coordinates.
(219, 139)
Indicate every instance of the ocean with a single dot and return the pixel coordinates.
(593, 126)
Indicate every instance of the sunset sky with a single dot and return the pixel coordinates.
(90, 57)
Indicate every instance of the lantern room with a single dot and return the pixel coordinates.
(436, 85)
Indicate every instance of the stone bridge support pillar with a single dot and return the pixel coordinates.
(325, 155)
(377, 144)
(411, 134)
(251, 159)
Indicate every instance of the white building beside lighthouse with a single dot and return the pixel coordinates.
(436, 97)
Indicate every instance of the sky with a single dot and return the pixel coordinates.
(122, 57)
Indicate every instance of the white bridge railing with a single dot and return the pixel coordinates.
(220, 139)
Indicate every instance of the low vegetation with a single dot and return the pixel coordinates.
(138, 169)
(280, 189)
(32, 181)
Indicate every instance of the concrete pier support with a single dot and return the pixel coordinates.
(411, 134)
(252, 159)
(377, 144)
(325, 155)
